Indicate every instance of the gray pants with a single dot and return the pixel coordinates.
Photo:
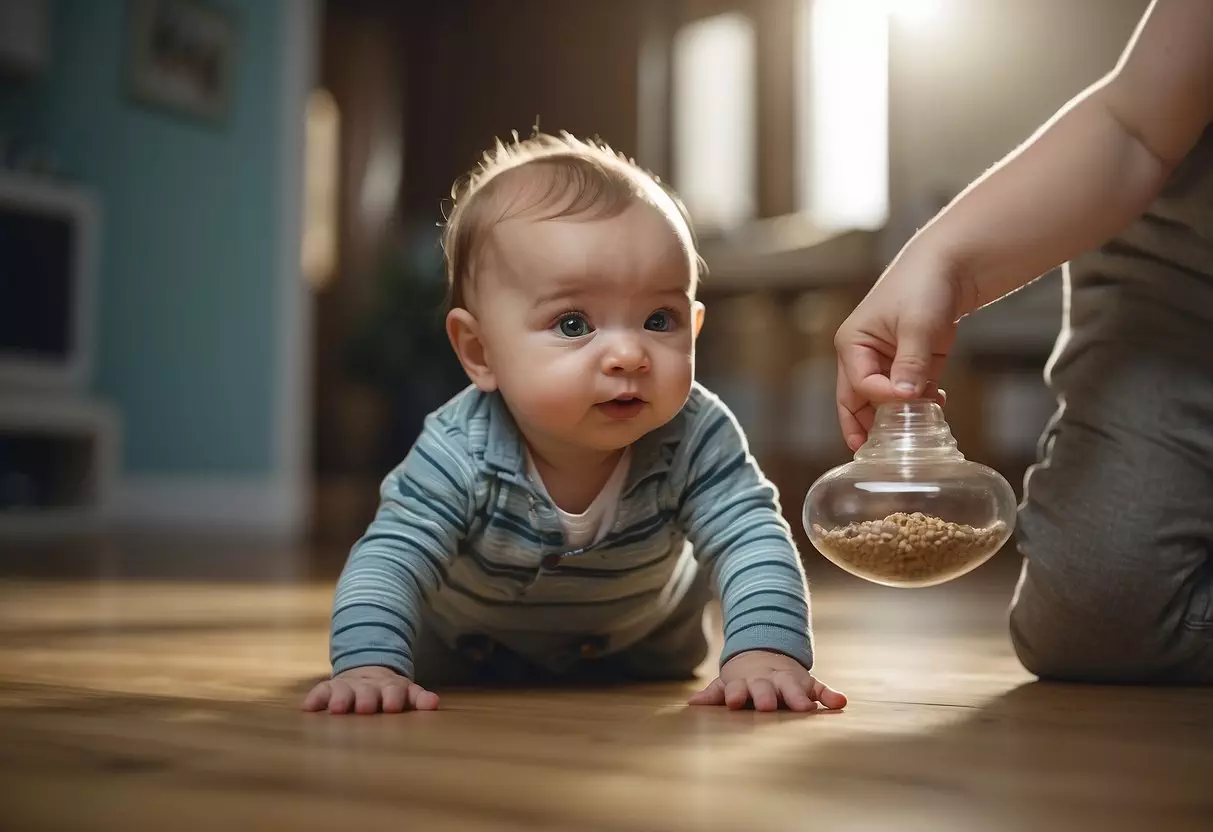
(1116, 527)
(672, 652)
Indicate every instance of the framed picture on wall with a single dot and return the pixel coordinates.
(181, 56)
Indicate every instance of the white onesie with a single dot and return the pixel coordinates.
(591, 525)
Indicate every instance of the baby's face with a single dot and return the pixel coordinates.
(589, 325)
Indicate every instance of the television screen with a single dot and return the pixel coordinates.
(36, 275)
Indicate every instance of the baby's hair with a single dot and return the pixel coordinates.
(581, 178)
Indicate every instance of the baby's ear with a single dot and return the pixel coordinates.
(464, 331)
(697, 312)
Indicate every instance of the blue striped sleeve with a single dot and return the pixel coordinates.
(426, 507)
(732, 516)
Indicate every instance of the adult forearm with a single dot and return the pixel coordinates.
(1080, 179)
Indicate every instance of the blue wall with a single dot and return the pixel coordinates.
(187, 316)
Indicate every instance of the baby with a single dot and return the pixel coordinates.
(570, 514)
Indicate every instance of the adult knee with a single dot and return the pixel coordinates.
(1083, 612)
(1055, 647)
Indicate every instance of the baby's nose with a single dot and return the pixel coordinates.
(626, 355)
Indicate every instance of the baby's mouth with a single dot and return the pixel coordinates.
(622, 407)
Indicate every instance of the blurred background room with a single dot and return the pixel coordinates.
(221, 326)
(220, 281)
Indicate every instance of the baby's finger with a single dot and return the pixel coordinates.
(866, 369)
(317, 698)
(367, 697)
(853, 431)
(395, 697)
(880, 389)
(421, 699)
(341, 699)
(736, 694)
(911, 368)
(854, 412)
(827, 696)
(876, 388)
(792, 691)
(872, 380)
(762, 691)
(855, 399)
(713, 694)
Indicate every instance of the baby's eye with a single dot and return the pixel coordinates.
(574, 326)
(662, 320)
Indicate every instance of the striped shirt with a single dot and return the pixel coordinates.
(463, 543)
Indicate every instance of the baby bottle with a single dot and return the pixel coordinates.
(909, 510)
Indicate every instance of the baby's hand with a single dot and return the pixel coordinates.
(893, 345)
(368, 690)
(767, 679)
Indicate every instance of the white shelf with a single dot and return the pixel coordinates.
(84, 481)
(78, 208)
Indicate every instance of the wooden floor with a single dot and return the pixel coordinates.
(172, 703)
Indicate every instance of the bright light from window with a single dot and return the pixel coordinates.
(843, 112)
(319, 253)
(714, 119)
(917, 14)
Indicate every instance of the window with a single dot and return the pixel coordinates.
(842, 105)
(715, 113)
(319, 254)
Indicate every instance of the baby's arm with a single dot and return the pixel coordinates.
(426, 507)
(1089, 171)
(733, 521)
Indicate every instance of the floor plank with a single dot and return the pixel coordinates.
(131, 703)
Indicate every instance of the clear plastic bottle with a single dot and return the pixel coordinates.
(909, 510)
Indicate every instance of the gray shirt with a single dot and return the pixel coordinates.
(1151, 284)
